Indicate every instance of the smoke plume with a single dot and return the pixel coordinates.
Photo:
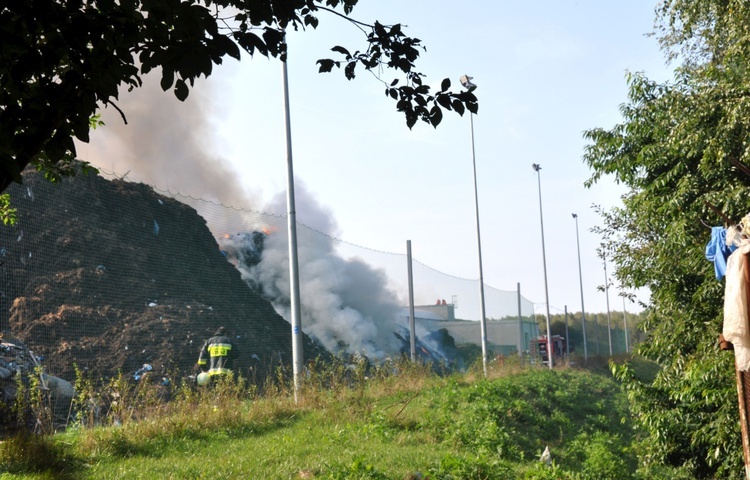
(345, 304)
(168, 144)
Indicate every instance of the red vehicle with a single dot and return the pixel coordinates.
(558, 347)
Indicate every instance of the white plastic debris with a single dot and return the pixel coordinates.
(152, 304)
(58, 386)
(546, 456)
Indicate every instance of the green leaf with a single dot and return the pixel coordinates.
(167, 78)
(228, 46)
(181, 90)
(342, 51)
(459, 108)
(445, 85)
(349, 70)
(326, 65)
(444, 101)
(436, 116)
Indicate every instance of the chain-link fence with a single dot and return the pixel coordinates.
(105, 276)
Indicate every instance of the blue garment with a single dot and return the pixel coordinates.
(717, 251)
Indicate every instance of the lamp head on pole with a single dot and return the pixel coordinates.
(466, 82)
(575, 215)
(536, 167)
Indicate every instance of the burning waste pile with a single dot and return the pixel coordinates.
(346, 305)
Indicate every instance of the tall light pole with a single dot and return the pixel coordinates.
(625, 324)
(296, 320)
(550, 352)
(466, 82)
(606, 293)
(580, 278)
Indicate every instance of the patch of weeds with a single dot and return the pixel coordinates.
(38, 454)
(481, 467)
(357, 470)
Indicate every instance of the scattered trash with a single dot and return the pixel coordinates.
(17, 363)
(156, 228)
(160, 202)
(101, 268)
(546, 456)
(20, 236)
(142, 371)
(30, 193)
(152, 304)
(255, 357)
(58, 386)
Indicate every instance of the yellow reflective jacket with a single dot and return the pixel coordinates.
(217, 353)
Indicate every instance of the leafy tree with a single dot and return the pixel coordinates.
(62, 60)
(681, 151)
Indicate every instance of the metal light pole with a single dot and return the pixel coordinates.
(466, 82)
(412, 324)
(296, 320)
(550, 352)
(609, 320)
(567, 336)
(625, 324)
(580, 277)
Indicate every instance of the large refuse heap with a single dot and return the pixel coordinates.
(110, 276)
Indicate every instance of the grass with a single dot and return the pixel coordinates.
(393, 421)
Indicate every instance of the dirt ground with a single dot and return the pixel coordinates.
(109, 276)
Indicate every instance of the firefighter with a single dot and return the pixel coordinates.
(218, 354)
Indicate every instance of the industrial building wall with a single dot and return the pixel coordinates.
(503, 336)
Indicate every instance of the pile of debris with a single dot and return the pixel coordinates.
(18, 365)
(107, 276)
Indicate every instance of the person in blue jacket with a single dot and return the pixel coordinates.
(217, 355)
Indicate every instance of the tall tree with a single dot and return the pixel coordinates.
(62, 60)
(680, 151)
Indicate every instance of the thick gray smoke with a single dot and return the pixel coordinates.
(167, 144)
(345, 303)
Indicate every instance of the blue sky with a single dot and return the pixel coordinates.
(546, 71)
